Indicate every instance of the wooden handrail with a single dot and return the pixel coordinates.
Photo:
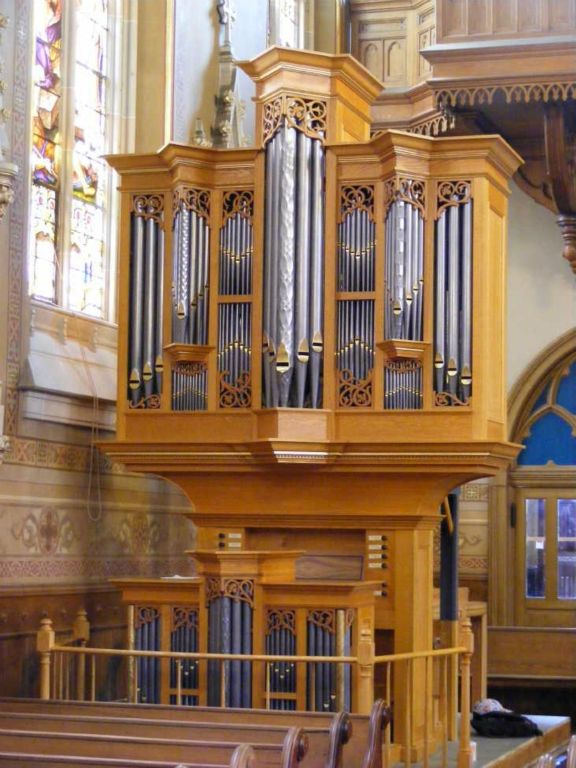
(419, 654)
(202, 656)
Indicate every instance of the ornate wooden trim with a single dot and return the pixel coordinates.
(145, 614)
(439, 123)
(193, 199)
(237, 589)
(449, 193)
(353, 392)
(151, 402)
(237, 394)
(183, 616)
(306, 115)
(409, 190)
(238, 202)
(447, 398)
(357, 197)
(323, 618)
(280, 618)
(471, 95)
(148, 206)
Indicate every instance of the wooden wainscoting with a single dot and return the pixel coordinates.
(21, 611)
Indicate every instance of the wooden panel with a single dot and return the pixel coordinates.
(20, 615)
(454, 18)
(530, 15)
(532, 652)
(504, 16)
(561, 15)
(461, 19)
(479, 17)
(372, 58)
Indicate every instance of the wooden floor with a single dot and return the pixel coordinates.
(513, 753)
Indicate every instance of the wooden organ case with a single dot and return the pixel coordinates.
(312, 330)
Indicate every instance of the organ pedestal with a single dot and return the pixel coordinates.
(312, 330)
(248, 602)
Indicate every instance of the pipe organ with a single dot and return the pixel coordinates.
(311, 341)
(221, 613)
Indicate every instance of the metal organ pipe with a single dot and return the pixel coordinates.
(293, 270)
(453, 300)
(145, 362)
(136, 297)
(466, 313)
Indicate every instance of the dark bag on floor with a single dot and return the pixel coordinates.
(504, 724)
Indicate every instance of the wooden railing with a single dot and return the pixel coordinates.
(466, 20)
(430, 707)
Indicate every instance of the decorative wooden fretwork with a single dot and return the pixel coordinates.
(280, 618)
(238, 394)
(183, 616)
(409, 190)
(450, 193)
(189, 379)
(145, 614)
(152, 401)
(357, 197)
(353, 392)
(193, 199)
(442, 121)
(447, 398)
(240, 202)
(148, 207)
(324, 618)
(403, 384)
(349, 617)
(516, 93)
(306, 115)
(236, 589)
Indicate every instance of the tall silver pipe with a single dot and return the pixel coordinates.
(453, 296)
(440, 304)
(149, 301)
(179, 307)
(285, 352)
(274, 256)
(466, 318)
(191, 222)
(302, 250)
(136, 301)
(158, 313)
(268, 258)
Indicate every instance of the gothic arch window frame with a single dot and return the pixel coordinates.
(533, 490)
(69, 203)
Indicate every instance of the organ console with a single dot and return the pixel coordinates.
(312, 333)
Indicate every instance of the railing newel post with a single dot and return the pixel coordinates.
(45, 642)
(365, 679)
(467, 642)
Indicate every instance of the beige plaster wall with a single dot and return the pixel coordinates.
(541, 286)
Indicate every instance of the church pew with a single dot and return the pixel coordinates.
(325, 744)
(244, 756)
(133, 748)
(360, 751)
(326, 737)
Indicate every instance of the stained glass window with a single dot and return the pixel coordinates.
(69, 177)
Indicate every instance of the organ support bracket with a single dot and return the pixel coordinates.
(403, 349)
(187, 352)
